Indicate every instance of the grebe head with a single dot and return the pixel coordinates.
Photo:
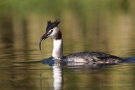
(51, 30)
(54, 32)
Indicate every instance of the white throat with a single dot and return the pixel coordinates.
(57, 49)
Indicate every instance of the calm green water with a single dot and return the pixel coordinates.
(87, 25)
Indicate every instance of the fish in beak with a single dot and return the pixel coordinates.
(45, 36)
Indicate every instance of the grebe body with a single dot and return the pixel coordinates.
(55, 34)
(93, 57)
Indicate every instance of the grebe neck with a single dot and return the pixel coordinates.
(57, 46)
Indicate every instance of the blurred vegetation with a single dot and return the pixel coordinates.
(58, 6)
(94, 25)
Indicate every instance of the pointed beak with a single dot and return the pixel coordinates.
(45, 36)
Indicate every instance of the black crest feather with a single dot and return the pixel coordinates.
(51, 25)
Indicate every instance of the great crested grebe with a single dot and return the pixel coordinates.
(54, 32)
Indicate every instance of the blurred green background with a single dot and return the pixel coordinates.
(87, 25)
